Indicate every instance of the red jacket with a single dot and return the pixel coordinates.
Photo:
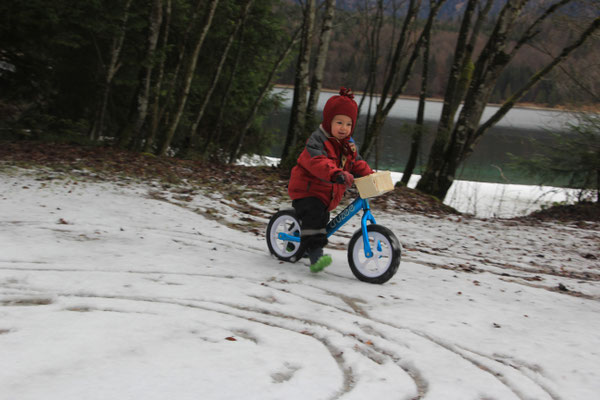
(323, 157)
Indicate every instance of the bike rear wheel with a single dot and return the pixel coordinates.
(284, 221)
(384, 263)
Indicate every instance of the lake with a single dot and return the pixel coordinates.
(489, 162)
(481, 199)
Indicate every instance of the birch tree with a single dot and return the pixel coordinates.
(301, 80)
(321, 59)
(111, 70)
(188, 77)
(219, 69)
(155, 114)
(143, 97)
(238, 141)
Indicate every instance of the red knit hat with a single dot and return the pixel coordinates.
(343, 104)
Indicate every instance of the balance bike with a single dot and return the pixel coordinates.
(373, 251)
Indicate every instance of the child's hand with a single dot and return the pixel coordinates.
(344, 178)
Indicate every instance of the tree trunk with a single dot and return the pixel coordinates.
(214, 135)
(415, 144)
(189, 77)
(171, 86)
(238, 141)
(491, 61)
(208, 95)
(158, 84)
(396, 80)
(446, 118)
(374, 129)
(319, 69)
(490, 64)
(111, 70)
(373, 35)
(298, 110)
(143, 97)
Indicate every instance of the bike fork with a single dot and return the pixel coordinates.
(367, 217)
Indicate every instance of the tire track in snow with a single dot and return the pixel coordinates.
(527, 371)
(349, 379)
(453, 348)
(367, 325)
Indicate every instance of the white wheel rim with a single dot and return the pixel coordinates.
(382, 258)
(284, 224)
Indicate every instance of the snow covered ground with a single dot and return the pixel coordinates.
(128, 291)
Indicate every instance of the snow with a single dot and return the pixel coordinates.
(481, 199)
(121, 290)
(496, 200)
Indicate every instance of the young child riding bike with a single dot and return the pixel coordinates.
(324, 170)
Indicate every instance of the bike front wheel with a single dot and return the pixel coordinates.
(284, 221)
(384, 263)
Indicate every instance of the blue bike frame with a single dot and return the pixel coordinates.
(339, 220)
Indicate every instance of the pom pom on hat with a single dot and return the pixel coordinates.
(342, 104)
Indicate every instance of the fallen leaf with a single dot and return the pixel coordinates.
(562, 288)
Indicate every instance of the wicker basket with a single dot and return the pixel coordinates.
(375, 184)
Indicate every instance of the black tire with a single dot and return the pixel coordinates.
(386, 258)
(284, 221)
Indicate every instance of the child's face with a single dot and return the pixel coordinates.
(341, 126)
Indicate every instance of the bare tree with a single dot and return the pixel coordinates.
(373, 27)
(418, 129)
(398, 74)
(450, 150)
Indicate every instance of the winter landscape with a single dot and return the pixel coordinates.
(117, 288)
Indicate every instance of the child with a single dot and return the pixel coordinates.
(325, 169)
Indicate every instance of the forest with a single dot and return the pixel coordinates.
(193, 78)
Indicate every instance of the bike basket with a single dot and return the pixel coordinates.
(374, 184)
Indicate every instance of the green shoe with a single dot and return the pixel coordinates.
(321, 263)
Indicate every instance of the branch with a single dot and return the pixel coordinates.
(532, 31)
(508, 104)
(577, 82)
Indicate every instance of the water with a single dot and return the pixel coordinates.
(481, 199)
(489, 162)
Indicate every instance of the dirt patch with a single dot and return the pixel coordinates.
(26, 302)
(236, 183)
(584, 211)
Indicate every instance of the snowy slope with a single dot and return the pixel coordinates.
(122, 291)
